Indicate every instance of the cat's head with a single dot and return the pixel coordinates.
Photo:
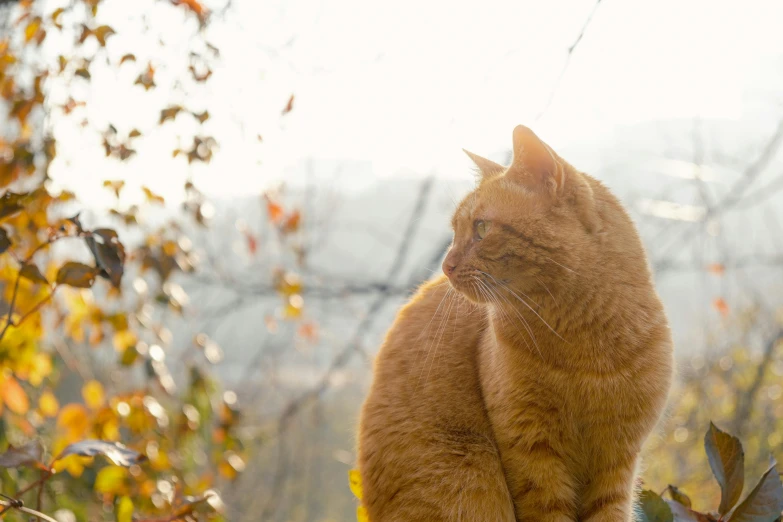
(529, 227)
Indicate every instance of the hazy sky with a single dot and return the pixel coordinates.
(407, 84)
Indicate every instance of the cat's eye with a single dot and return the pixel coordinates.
(481, 229)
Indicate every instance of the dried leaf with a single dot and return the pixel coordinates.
(727, 460)
(76, 274)
(678, 496)
(109, 254)
(5, 241)
(114, 451)
(32, 273)
(10, 204)
(29, 454)
(289, 106)
(128, 58)
(764, 503)
(169, 113)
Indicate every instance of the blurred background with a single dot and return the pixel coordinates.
(259, 186)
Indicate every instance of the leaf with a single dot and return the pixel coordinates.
(289, 106)
(83, 73)
(274, 210)
(355, 483)
(193, 5)
(202, 117)
(47, 404)
(135, 133)
(114, 451)
(31, 272)
(678, 496)
(152, 197)
(32, 29)
(77, 275)
(109, 254)
(124, 510)
(128, 57)
(652, 508)
(685, 514)
(14, 396)
(5, 242)
(10, 204)
(55, 17)
(169, 113)
(111, 480)
(102, 33)
(28, 454)
(727, 460)
(721, 306)
(764, 503)
(93, 394)
(75, 419)
(716, 268)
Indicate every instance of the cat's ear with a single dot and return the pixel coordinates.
(535, 164)
(486, 168)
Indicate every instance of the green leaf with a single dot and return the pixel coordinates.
(652, 508)
(28, 454)
(32, 273)
(77, 275)
(764, 503)
(124, 510)
(114, 451)
(5, 242)
(685, 514)
(727, 460)
(678, 496)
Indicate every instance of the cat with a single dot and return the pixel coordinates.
(576, 364)
(565, 337)
(426, 449)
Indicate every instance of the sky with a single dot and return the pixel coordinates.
(406, 85)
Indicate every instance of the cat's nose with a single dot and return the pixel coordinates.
(448, 267)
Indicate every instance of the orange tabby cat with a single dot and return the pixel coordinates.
(576, 364)
(572, 350)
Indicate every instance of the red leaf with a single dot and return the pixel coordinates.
(290, 105)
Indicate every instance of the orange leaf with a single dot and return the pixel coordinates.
(721, 305)
(292, 222)
(14, 396)
(193, 5)
(252, 243)
(308, 331)
(289, 106)
(275, 211)
(716, 268)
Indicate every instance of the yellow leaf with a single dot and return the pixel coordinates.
(355, 481)
(124, 339)
(14, 396)
(361, 514)
(111, 480)
(93, 394)
(73, 464)
(48, 404)
(125, 510)
(74, 418)
(32, 28)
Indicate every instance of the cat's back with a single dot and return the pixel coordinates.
(426, 449)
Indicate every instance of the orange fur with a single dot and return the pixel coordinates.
(569, 342)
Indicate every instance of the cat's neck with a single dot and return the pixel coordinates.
(588, 328)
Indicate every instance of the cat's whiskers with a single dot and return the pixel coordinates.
(502, 285)
(548, 291)
(435, 340)
(424, 331)
(444, 325)
(504, 313)
(562, 266)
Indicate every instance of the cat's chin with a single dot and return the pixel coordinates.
(469, 292)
